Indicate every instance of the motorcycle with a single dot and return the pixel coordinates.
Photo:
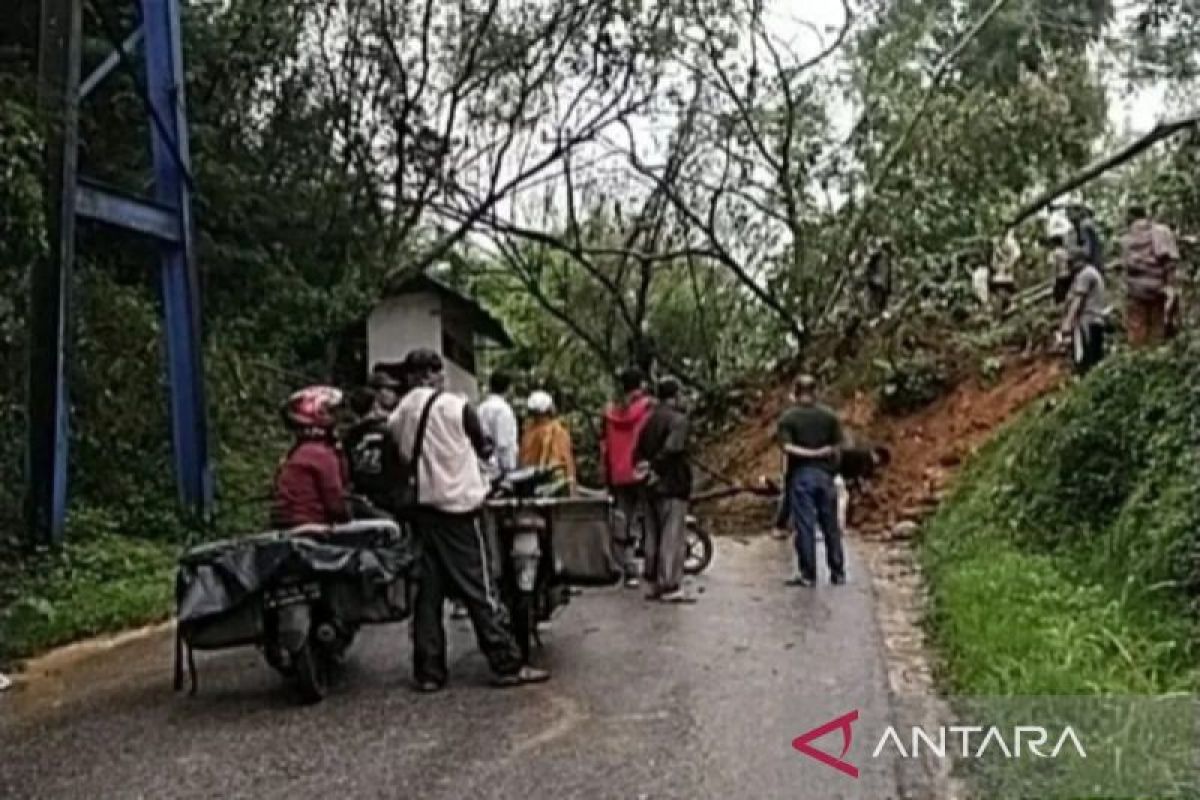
(300, 596)
(519, 513)
(699, 543)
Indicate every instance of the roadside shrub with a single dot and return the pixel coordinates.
(912, 382)
(1067, 558)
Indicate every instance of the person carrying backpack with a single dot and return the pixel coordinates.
(371, 453)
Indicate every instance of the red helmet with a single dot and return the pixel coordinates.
(313, 407)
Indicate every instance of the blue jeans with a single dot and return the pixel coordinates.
(812, 498)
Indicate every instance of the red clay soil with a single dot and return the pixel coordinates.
(927, 446)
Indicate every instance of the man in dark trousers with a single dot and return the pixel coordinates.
(661, 456)
(445, 452)
(811, 437)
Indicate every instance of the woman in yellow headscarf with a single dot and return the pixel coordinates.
(546, 441)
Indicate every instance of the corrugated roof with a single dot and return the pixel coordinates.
(486, 324)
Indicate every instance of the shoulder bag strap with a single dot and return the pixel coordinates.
(419, 443)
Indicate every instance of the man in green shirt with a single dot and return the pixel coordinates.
(811, 437)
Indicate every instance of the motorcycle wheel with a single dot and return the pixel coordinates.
(275, 659)
(314, 668)
(523, 621)
(699, 549)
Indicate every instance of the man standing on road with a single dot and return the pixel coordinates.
(444, 432)
(500, 425)
(811, 437)
(662, 462)
(622, 424)
(1150, 254)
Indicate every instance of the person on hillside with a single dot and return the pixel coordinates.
(661, 457)
(1084, 323)
(621, 426)
(1058, 233)
(546, 441)
(500, 425)
(310, 483)
(1150, 255)
(371, 453)
(1002, 281)
(879, 277)
(811, 436)
(1085, 238)
(455, 556)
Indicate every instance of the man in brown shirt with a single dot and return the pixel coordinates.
(1149, 254)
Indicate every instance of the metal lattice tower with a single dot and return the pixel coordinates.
(165, 218)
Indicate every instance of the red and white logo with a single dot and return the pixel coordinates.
(804, 743)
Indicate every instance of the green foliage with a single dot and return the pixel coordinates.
(1065, 560)
(103, 581)
(912, 382)
(22, 243)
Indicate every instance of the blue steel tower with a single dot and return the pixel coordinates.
(153, 55)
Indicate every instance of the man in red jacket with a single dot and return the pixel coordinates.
(622, 425)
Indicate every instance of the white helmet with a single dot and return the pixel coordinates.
(540, 402)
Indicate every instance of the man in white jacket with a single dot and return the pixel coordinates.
(455, 557)
(500, 425)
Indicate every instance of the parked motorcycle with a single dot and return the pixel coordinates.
(299, 595)
(519, 511)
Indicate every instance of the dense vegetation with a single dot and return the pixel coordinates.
(1067, 560)
(699, 183)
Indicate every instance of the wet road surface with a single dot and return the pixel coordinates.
(647, 701)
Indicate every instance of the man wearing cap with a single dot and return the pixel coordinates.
(456, 558)
(810, 435)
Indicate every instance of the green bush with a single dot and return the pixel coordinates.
(98, 583)
(912, 382)
(1065, 559)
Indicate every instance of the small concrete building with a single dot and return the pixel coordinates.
(425, 312)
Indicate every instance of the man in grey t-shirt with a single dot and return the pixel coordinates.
(1084, 322)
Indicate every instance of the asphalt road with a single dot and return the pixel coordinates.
(647, 701)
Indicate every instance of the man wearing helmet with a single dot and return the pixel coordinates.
(441, 441)
(310, 484)
(546, 441)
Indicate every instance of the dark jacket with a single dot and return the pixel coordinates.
(663, 443)
(374, 462)
(310, 486)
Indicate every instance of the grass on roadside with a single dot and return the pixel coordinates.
(97, 585)
(1064, 562)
